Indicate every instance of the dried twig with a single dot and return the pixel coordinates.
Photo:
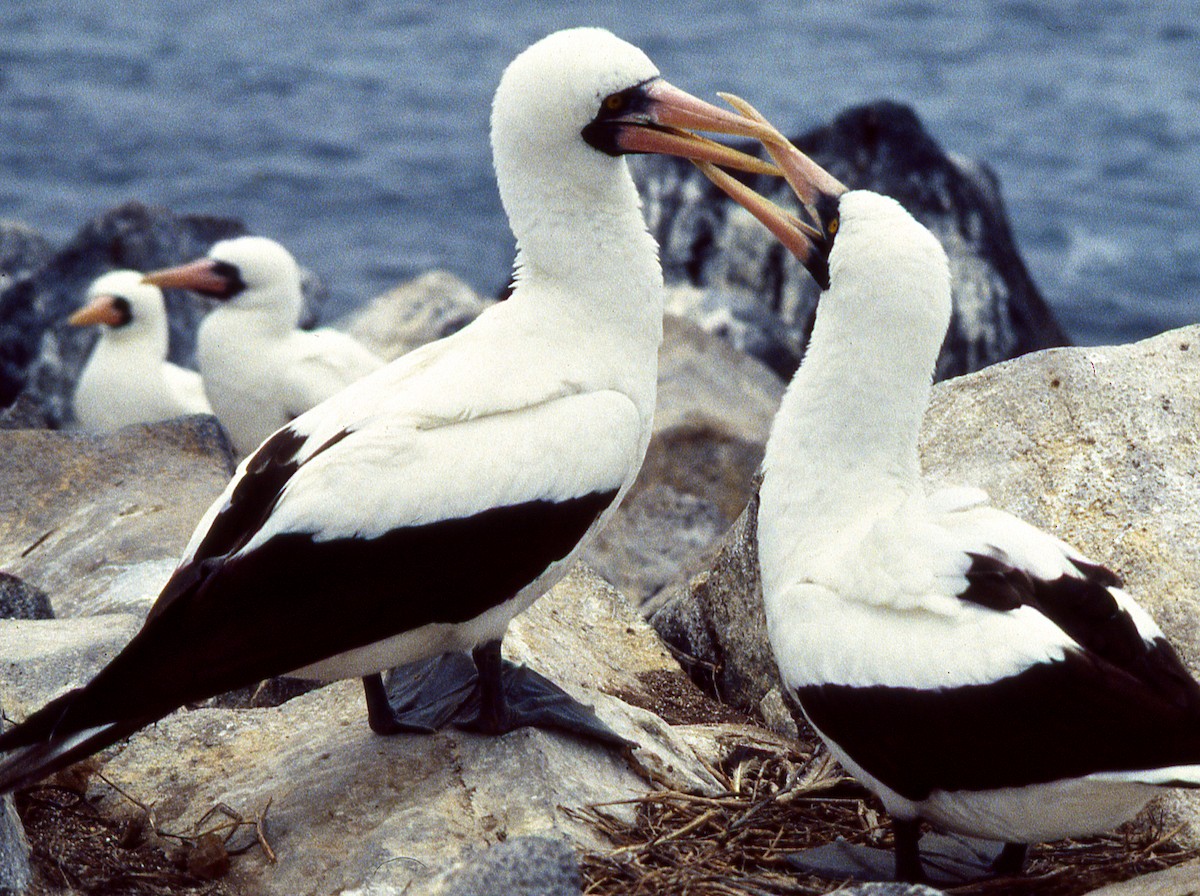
(736, 843)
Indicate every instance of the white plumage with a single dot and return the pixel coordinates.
(971, 669)
(260, 369)
(127, 378)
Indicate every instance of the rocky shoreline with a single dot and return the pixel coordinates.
(659, 629)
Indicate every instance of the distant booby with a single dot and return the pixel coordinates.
(260, 370)
(968, 668)
(421, 508)
(127, 378)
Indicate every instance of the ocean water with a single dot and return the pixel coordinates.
(355, 131)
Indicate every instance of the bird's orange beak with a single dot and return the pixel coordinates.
(817, 190)
(657, 117)
(205, 276)
(103, 309)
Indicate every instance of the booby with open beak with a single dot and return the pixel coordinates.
(418, 510)
(260, 369)
(127, 378)
(968, 668)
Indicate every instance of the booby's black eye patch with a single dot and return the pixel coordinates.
(616, 109)
(629, 101)
(123, 311)
(232, 277)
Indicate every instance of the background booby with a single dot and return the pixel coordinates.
(127, 378)
(969, 668)
(260, 370)
(338, 548)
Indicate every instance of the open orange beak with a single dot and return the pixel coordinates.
(818, 191)
(656, 117)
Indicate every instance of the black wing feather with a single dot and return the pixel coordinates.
(1115, 703)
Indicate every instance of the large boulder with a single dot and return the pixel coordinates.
(751, 282)
(1097, 445)
(79, 512)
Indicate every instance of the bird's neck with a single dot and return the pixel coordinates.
(267, 315)
(133, 346)
(845, 439)
(584, 241)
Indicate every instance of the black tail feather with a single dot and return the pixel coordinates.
(30, 764)
(41, 725)
(47, 741)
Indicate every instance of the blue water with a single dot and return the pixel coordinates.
(355, 131)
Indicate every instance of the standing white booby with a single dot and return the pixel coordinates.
(421, 508)
(260, 370)
(968, 668)
(127, 378)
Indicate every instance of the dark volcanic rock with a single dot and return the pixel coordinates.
(22, 251)
(711, 243)
(20, 600)
(524, 865)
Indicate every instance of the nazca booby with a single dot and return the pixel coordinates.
(967, 667)
(260, 369)
(127, 378)
(421, 508)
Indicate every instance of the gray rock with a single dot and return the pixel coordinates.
(426, 308)
(717, 246)
(78, 511)
(1096, 445)
(20, 600)
(525, 866)
(22, 251)
(40, 659)
(717, 625)
(1182, 880)
(15, 873)
(890, 889)
(26, 412)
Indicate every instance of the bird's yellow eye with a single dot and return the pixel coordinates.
(832, 227)
(614, 102)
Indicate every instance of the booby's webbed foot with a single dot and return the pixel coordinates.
(512, 696)
(845, 861)
(944, 860)
(420, 697)
(482, 693)
(950, 860)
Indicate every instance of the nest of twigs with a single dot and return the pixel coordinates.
(737, 843)
(80, 848)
